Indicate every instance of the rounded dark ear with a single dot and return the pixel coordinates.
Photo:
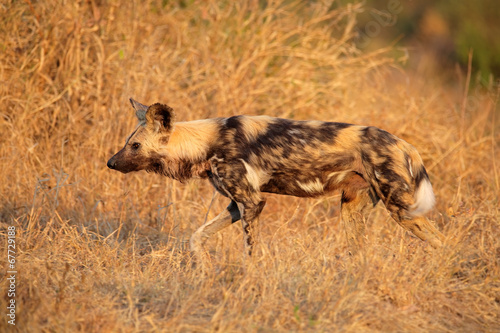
(140, 109)
(161, 116)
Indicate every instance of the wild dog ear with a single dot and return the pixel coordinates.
(161, 116)
(140, 109)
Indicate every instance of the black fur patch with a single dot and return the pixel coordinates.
(420, 176)
(180, 170)
(328, 132)
(378, 136)
(234, 123)
(234, 211)
(162, 113)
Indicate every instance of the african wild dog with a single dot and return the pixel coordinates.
(243, 156)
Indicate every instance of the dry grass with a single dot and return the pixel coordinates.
(99, 251)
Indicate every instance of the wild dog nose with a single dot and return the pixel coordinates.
(111, 164)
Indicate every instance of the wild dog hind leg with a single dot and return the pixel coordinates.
(402, 207)
(421, 227)
(357, 199)
(407, 208)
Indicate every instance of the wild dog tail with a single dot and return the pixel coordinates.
(424, 198)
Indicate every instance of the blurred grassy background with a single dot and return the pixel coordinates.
(100, 251)
(439, 34)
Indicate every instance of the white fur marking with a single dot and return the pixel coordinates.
(314, 186)
(255, 177)
(409, 164)
(339, 176)
(424, 199)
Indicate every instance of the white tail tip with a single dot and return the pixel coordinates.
(424, 199)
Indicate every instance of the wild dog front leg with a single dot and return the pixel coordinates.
(233, 180)
(250, 215)
(230, 215)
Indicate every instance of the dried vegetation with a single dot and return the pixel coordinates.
(98, 251)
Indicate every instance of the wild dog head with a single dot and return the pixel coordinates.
(142, 150)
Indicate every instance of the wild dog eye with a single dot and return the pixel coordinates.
(136, 145)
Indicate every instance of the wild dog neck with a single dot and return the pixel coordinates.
(185, 154)
(192, 140)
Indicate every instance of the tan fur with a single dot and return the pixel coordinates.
(190, 140)
(147, 136)
(255, 176)
(348, 140)
(314, 186)
(254, 126)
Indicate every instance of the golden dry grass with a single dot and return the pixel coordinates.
(98, 251)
